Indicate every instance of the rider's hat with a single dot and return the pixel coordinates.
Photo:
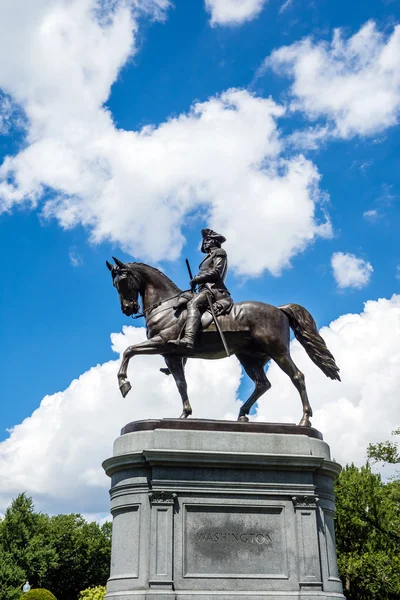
(209, 233)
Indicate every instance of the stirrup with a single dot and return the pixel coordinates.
(185, 342)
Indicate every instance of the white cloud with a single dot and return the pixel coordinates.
(100, 518)
(350, 271)
(284, 7)
(222, 156)
(308, 139)
(233, 12)
(55, 455)
(362, 165)
(136, 188)
(75, 258)
(365, 406)
(371, 215)
(353, 83)
(5, 113)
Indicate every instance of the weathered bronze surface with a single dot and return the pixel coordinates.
(179, 326)
(215, 425)
(212, 290)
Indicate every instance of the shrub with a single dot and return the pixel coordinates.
(39, 594)
(94, 593)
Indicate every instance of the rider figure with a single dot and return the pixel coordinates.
(211, 284)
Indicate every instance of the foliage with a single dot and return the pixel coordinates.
(83, 550)
(39, 594)
(63, 553)
(12, 577)
(387, 452)
(368, 534)
(94, 593)
(24, 540)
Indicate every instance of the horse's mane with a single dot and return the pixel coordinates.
(156, 275)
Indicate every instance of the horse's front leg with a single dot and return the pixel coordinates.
(154, 345)
(176, 365)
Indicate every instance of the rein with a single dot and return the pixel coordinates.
(157, 304)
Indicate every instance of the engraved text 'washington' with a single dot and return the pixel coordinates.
(219, 537)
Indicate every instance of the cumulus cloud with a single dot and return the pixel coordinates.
(5, 113)
(365, 406)
(352, 83)
(233, 12)
(55, 455)
(310, 138)
(350, 271)
(136, 188)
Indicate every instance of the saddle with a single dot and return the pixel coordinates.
(221, 307)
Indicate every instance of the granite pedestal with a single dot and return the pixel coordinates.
(220, 510)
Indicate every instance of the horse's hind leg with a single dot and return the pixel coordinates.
(167, 371)
(290, 368)
(176, 366)
(254, 368)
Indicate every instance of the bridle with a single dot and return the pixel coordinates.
(146, 312)
(124, 275)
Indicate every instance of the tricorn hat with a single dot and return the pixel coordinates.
(209, 233)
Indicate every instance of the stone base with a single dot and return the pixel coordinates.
(220, 510)
(207, 595)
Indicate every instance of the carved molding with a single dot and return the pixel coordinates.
(305, 501)
(162, 497)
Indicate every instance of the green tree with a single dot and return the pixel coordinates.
(24, 539)
(386, 452)
(64, 553)
(368, 534)
(12, 577)
(83, 555)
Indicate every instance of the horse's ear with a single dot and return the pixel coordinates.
(119, 263)
(109, 266)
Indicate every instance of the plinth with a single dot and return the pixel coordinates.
(220, 510)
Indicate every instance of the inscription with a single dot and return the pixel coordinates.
(234, 541)
(223, 537)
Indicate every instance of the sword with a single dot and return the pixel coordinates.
(189, 270)
(210, 304)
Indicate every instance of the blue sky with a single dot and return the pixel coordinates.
(125, 137)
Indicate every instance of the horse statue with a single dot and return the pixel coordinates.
(255, 333)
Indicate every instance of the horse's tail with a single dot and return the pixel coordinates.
(306, 332)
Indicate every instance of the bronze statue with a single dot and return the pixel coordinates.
(181, 325)
(212, 288)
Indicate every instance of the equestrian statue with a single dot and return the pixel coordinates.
(204, 322)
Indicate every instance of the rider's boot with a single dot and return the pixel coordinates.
(191, 326)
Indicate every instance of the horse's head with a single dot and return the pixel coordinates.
(127, 286)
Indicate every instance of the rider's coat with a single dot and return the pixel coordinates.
(213, 271)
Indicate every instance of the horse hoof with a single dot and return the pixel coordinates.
(305, 422)
(243, 419)
(185, 414)
(125, 388)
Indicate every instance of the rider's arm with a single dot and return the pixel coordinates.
(216, 273)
